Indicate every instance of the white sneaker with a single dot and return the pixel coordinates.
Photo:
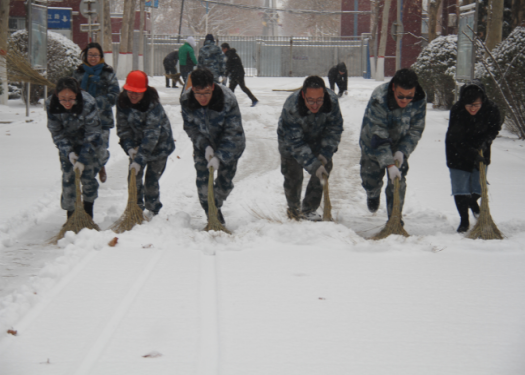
(313, 216)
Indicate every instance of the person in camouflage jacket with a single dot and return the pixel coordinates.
(73, 120)
(100, 81)
(211, 57)
(213, 122)
(145, 135)
(308, 133)
(392, 126)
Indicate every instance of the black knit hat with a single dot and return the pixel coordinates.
(210, 37)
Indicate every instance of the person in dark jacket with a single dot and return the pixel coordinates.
(474, 123)
(100, 81)
(213, 122)
(170, 67)
(145, 135)
(308, 133)
(187, 59)
(211, 57)
(235, 71)
(74, 123)
(338, 75)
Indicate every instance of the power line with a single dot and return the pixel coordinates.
(292, 11)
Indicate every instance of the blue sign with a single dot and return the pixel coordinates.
(152, 3)
(59, 18)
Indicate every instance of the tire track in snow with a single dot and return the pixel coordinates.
(97, 348)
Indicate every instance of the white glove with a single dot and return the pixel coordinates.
(73, 158)
(136, 167)
(214, 162)
(321, 173)
(79, 166)
(132, 152)
(394, 172)
(322, 159)
(209, 153)
(398, 156)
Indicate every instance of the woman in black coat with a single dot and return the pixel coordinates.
(474, 123)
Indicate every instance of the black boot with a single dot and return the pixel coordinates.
(372, 203)
(70, 213)
(462, 204)
(88, 207)
(474, 204)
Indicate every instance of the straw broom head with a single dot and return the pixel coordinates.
(133, 214)
(485, 227)
(327, 204)
(80, 219)
(393, 225)
(213, 220)
(19, 69)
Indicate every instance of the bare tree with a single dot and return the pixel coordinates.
(518, 13)
(4, 30)
(313, 24)
(494, 23)
(108, 37)
(380, 71)
(125, 59)
(433, 14)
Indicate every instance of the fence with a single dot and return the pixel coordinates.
(266, 56)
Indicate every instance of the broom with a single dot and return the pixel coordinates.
(79, 219)
(327, 209)
(213, 220)
(19, 69)
(133, 214)
(288, 90)
(485, 227)
(393, 225)
(175, 77)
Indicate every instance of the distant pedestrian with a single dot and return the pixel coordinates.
(308, 133)
(170, 67)
(100, 81)
(211, 57)
(145, 135)
(474, 123)
(235, 71)
(338, 75)
(74, 123)
(392, 126)
(213, 122)
(187, 59)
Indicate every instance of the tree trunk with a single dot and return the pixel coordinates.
(380, 75)
(494, 23)
(518, 13)
(4, 31)
(108, 37)
(141, 34)
(374, 20)
(433, 12)
(125, 59)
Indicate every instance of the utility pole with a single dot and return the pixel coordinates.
(180, 21)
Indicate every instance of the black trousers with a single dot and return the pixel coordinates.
(170, 71)
(234, 81)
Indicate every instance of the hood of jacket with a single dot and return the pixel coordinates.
(474, 83)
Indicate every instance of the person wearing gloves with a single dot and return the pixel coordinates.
(308, 133)
(74, 123)
(338, 75)
(392, 126)
(213, 122)
(145, 135)
(187, 59)
(235, 72)
(211, 57)
(100, 81)
(474, 123)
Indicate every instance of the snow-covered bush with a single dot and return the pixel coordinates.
(509, 70)
(15, 90)
(436, 70)
(1, 87)
(63, 56)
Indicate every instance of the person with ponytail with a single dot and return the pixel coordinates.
(100, 81)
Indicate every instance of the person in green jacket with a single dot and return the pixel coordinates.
(187, 60)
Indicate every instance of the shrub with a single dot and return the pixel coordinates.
(63, 56)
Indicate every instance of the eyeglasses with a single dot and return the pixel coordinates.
(202, 94)
(473, 106)
(93, 55)
(311, 101)
(67, 100)
(401, 97)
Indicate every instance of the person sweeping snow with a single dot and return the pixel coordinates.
(213, 122)
(474, 123)
(392, 126)
(145, 135)
(74, 123)
(308, 134)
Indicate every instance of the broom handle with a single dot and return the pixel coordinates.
(397, 201)
(483, 183)
(78, 202)
(132, 187)
(212, 209)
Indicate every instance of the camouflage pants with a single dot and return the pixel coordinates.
(149, 190)
(223, 184)
(88, 182)
(372, 181)
(293, 184)
(104, 152)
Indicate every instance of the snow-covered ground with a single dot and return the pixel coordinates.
(276, 297)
